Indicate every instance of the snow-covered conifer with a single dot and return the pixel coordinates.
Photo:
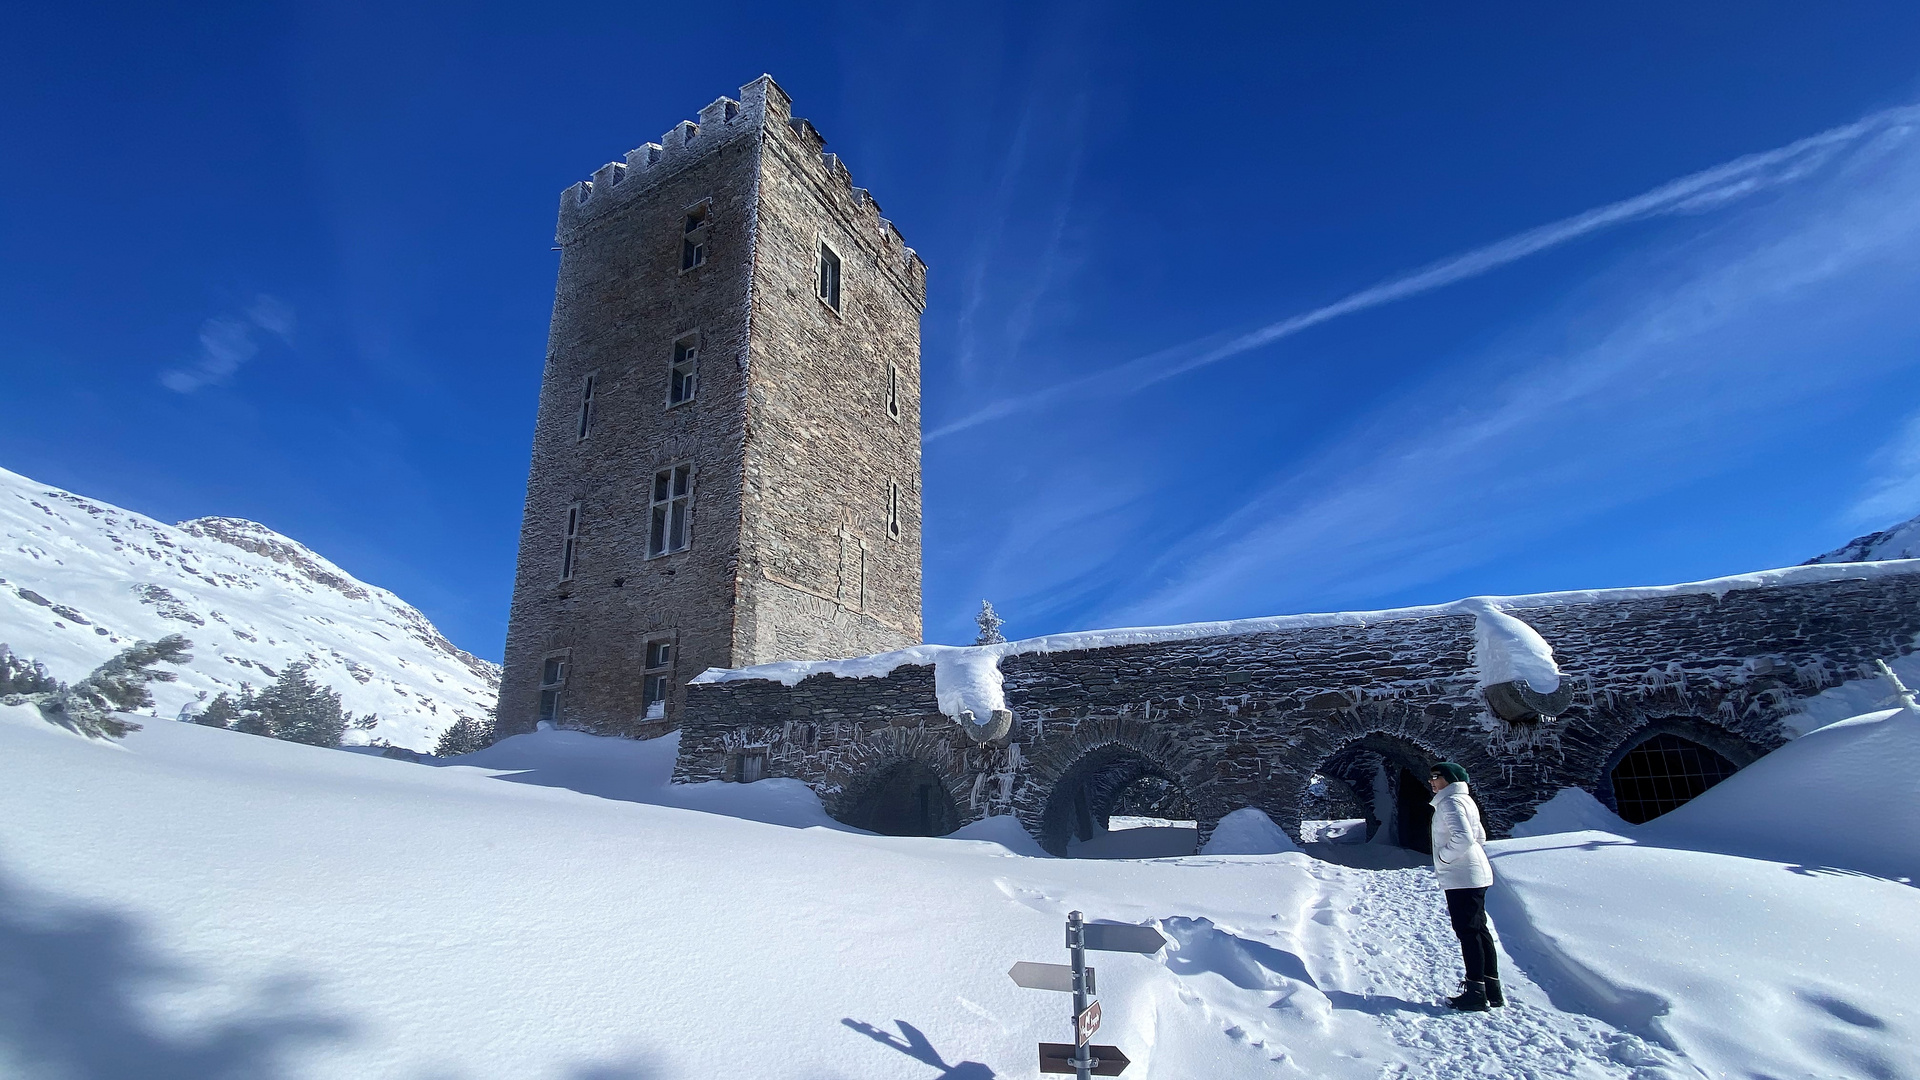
(119, 685)
(464, 737)
(220, 712)
(300, 710)
(990, 623)
(19, 675)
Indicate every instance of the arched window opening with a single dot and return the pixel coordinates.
(1662, 774)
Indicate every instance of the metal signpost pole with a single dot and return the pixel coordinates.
(1077, 951)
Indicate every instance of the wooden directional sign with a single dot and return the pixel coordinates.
(1122, 937)
(1058, 1058)
(1087, 1022)
(1047, 977)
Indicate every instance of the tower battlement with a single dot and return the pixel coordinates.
(726, 455)
(761, 104)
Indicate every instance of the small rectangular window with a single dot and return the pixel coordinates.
(893, 509)
(657, 689)
(586, 407)
(829, 276)
(750, 765)
(693, 245)
(570, 543)
(670, 527)
(893, 391)
(684, 375)
(553, 678)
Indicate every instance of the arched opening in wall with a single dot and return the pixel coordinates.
(1664, 773)
(905, 798)
(1371, 791)
(1116, 803)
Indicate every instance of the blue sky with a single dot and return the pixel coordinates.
(1232, 311)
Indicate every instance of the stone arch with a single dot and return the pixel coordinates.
(900, 781)
(1086, 775)
(1700, 754)
(1386, 774)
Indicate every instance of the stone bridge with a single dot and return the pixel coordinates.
(1311, 717)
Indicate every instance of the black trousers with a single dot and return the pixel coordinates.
(1468, 910)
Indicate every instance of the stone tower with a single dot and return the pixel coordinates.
(726, 459)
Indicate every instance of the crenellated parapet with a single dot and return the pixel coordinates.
(762, 109)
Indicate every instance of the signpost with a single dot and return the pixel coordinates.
(1058, 1058)
(1059, 977)
(1082, 1059)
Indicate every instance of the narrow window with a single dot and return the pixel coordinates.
(829, 276)
(570, 545)
(893, 391)
(586, 406)
(893, 509)
(672, 491)
(683, 377)
(693, 245)
(553, 678)
(658, 685)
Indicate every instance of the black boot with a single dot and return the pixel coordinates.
(1495, 998)
(1472, 999)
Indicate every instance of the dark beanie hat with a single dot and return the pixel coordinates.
(1454, 773)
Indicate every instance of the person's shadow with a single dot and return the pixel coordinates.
(914, 1044)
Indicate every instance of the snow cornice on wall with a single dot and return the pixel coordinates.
(967, 677)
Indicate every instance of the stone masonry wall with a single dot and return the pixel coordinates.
(788, 436)
(1246, 720)
(821, 572)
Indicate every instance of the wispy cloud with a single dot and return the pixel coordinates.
(1893, 494)
(228, 341)
(1772, 324)
(1699, 192)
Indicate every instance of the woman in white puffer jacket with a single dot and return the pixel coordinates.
(1460, 862)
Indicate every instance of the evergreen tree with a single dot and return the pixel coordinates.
(464, 737)
(990, 623)
(297, 709)
(220, 712)
(19, 675)
(119, 685)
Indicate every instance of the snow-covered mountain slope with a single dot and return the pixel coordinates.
(1900, 542)
(552, 909)
(80, 580)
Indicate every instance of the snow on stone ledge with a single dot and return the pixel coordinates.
(1508, 650)
(967, 677)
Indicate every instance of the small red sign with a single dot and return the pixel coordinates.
(1086, 1024)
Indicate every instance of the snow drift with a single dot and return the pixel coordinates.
(1845, 796)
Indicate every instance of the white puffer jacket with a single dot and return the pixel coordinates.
(1458, 859)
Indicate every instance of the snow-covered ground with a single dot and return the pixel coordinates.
(80, 580)
(201, 903)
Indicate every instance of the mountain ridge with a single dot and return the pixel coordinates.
(81, 579)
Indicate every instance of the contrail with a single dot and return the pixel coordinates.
(1704, 190)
